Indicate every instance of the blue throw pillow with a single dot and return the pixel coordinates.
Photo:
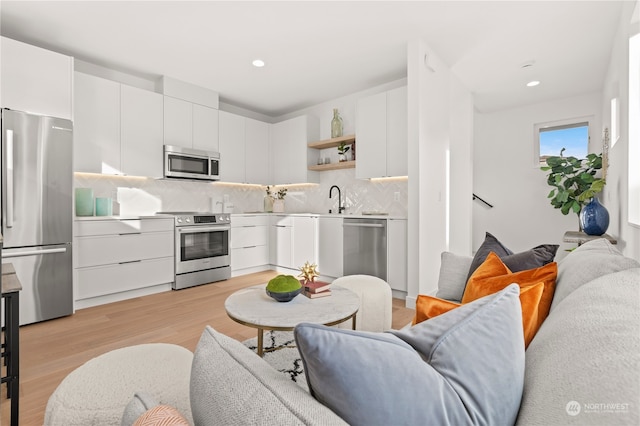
(462, 367)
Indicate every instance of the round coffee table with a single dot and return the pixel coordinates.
(252, 307)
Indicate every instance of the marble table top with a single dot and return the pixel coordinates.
(252, 306)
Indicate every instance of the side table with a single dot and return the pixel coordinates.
(581, 238)
(252, 307)
(11, 344)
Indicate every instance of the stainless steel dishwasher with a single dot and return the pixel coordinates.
(365, 247)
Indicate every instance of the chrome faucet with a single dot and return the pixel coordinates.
(340, 206)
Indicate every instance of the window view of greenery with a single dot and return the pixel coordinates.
(574, 138)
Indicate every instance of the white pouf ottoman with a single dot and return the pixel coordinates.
(375, 313)
(97, 392)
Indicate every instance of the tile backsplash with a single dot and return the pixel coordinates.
(142, 196)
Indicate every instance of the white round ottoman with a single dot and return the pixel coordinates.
(97, 392)
(375, 313)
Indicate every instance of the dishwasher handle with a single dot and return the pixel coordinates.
(364, 225)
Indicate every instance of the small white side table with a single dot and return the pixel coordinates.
(581, 238)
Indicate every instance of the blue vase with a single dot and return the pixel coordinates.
(594, 218)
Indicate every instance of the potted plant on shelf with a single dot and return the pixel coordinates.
(278, 202)
(575, 187)
(343, 148)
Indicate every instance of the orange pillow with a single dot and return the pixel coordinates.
(428, 307)
(493, 275)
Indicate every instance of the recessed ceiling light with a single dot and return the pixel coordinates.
(259, 63)
(533, 83)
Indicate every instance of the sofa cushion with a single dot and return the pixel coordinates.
(453, 276)
(586, 263)
(582, 367)
(462, 367)
(428, 307)
(231, 385)
(494, 275)
(533, 258)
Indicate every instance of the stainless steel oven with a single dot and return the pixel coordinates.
(202, 248)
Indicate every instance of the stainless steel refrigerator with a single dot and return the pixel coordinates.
(37, 216)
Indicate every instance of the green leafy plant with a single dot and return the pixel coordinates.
(343, 148)
(573, 180)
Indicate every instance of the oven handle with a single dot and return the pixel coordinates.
(197, 229)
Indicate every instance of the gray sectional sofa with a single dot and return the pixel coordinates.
(581, 367)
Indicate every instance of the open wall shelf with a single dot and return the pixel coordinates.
(333, 142)
(333, 166)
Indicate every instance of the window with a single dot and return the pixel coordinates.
(570, 135)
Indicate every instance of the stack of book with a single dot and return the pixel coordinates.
(314, 289)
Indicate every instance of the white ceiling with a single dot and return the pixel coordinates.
(318, 51)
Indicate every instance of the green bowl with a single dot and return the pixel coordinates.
(286, 296)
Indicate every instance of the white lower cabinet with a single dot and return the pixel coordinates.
(293, 241)
(281, 241)
(249, 242)
(119, 259)
(305, 240)
(397, 254)
(330, 249)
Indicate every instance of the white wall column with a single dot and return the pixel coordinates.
(436, 102)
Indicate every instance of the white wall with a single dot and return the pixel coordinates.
(505, 174)
(616, 197)
(440, 122)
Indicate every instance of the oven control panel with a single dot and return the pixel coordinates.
(203, 219)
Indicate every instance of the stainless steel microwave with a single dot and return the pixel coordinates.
(189, 163)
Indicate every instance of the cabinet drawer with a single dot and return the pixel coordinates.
(248, 236)
(122, 226)
(257, 220)
(242, 258)
(107, 249)
(102, 280)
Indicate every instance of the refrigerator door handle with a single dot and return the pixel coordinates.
(9, 212)
(6, 255)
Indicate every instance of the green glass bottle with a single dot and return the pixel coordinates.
(336, 124)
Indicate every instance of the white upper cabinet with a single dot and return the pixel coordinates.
(96, 137)
(118, 128)
(231, 140)
(141, 117)
(190, 125)
(244, 149)
(381, 129)
(371, 131)
(178, 122)
(257, 152)
(36, 80)
(290, 154)
(205, 128)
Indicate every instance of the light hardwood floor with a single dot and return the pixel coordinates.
(50, 350)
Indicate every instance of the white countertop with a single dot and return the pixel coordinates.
(164, 216)
(126, 217)
(344, 216)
